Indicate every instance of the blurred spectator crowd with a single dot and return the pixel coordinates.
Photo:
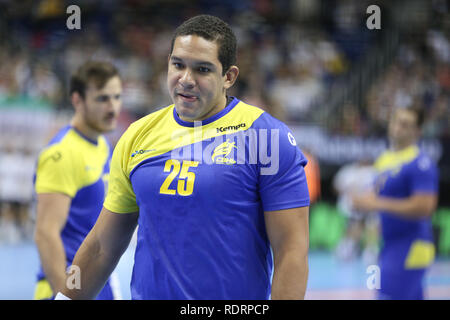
(284, 63)
(289, 53)
(284, 66)
(418, 75)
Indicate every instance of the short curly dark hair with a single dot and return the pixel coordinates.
(99, 72)
(212, 29)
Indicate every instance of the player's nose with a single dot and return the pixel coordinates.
(113, 106)
(187, 80)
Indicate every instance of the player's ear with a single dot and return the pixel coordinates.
(231, 76)
(76, 100)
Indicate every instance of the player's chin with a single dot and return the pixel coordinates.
(188, 111)
(108, 125)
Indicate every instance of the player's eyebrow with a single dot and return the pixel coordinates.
(102, 97)
(105, 97)
(197, 62)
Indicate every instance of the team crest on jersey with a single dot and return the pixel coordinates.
(221, 152)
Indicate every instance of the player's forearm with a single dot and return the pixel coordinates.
(290, 276)
(53, 258)
(412, 207)
(100, 252)
(90, 270)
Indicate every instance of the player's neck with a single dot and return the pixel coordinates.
(401, 146)
(219, 107)
(84, 129)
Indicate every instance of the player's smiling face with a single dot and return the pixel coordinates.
(195, 81)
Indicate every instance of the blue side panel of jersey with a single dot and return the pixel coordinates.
(84, 211)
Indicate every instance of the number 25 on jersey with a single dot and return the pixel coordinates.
(179, 171)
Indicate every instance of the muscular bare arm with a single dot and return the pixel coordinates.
(52, 212)
(100, 252)
(419, 205)
(288, 232)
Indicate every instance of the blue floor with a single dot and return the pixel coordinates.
(328, 278)
(19, 265)
(333, 279)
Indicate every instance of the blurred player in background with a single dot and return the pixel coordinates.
(71, 175)
(205, 228)
(406, 197)
(362, 229)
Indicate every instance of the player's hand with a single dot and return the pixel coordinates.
(365, 202)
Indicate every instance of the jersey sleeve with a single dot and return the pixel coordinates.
(120, 197)
(282, 182)
(424, 176)
(57, 172)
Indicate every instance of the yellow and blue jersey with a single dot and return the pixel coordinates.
(407, 244)
(201, 189)
(77, 166)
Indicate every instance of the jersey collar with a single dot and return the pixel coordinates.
(94, 142)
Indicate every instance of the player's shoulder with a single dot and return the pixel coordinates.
(148, 122)
(268, 122)
(263, 120)
(61, 142)
(68, 141)
(60, 136)
(247, 109)
(424, 162)
(383, 160)
(390, 159)
(265, 123)
(60, 153)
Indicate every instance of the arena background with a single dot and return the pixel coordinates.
(313, 64)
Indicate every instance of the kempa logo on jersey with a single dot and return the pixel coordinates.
(221, 152)
(224, 129)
